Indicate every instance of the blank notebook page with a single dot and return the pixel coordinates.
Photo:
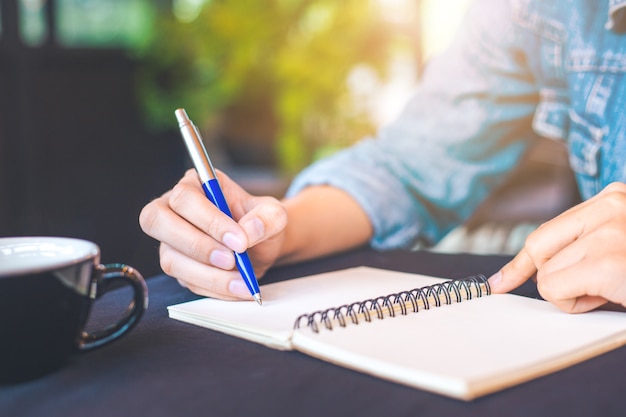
(470, 348)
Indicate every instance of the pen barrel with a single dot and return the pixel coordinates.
(214, 193)
(245, 268)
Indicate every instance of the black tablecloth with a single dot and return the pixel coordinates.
(168, 368)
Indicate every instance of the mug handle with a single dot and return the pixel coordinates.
(111, 274)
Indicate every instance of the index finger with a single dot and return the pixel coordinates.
(541, 245)
(514, 273)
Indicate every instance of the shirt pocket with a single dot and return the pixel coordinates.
(585, 139)
(551, 118)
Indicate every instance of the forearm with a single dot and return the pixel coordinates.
(322, 220)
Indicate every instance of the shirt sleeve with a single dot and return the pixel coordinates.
(465, 127)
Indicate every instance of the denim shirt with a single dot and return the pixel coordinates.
(517, 69)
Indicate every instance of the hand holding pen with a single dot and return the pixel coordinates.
(197, 241)
(213, 191)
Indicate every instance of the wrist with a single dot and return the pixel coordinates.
(322, 220)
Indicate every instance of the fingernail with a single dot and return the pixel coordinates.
(234, 242)
(222, 259)
(495, 279)
(255, 229)
(238, 288)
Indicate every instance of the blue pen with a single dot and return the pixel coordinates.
(212, 189)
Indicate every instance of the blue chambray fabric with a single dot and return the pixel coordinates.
(517, 69)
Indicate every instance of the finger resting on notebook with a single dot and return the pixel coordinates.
(552, 237)
(513, 274)
(201, 278)
(540, 246)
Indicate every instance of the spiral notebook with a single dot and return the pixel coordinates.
(449, 337)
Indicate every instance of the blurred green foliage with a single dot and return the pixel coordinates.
(289, 58)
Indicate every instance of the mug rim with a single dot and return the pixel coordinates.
(87, 250)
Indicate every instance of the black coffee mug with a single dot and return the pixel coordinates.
(47, 288)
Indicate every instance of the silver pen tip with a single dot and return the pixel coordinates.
(257, 298)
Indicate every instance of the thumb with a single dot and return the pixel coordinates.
(266, 218)
(513, 274)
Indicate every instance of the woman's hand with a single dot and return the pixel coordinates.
(198, 240)
(579, 257)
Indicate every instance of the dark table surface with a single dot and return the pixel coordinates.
(168, 368)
